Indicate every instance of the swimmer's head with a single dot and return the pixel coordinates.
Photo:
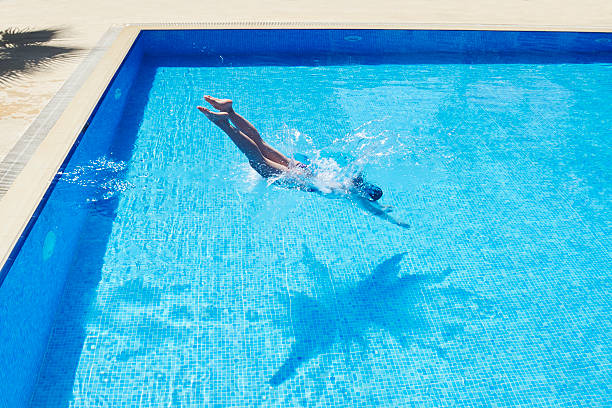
(366, 190)
(372, 192)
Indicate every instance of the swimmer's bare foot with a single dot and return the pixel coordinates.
(215, 117)
(224, 105)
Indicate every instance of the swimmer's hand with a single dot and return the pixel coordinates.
(402, 224)
(387, 208)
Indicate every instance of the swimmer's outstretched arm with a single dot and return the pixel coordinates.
(270, 153)
(257, 160)
(380, 211)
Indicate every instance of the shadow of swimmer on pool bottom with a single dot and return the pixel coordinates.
(401, 305)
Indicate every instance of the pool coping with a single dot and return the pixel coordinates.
(27, 172)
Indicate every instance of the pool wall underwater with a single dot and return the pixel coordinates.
(33, 281)
(33, 278)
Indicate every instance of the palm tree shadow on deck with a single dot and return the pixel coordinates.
(381, 301)
(23, 52)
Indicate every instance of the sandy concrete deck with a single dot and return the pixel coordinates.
(84, 22)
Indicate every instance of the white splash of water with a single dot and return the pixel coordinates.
(102, 177)
(334, 166)
(250, 177)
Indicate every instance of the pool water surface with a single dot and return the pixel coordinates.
(194, 282)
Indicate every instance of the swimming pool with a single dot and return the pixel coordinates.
(162, 270)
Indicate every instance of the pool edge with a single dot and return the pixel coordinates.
(234, 25)
(25, 194)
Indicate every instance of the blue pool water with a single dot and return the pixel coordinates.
(184, 279)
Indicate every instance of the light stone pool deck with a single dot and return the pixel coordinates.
(84, 23)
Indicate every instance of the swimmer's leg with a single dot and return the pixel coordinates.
(225, 105)
(261, 164)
